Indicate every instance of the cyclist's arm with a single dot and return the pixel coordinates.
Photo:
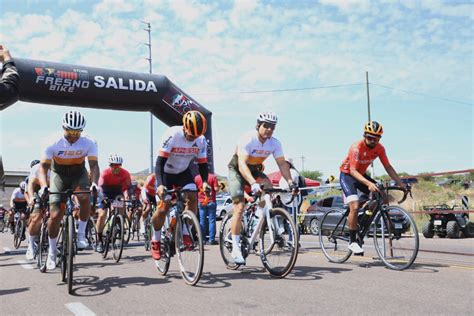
(160, 169)
(243, 167)
(393, 174)
(94, 167)
(43, 172)
(29, 194)
(12, 199)
(204, 172)
(284, 169)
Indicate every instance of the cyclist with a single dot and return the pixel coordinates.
(148, 199)
(36, 213)
(66, 158)
(353, 177)
(18, 203)
(245, 168)
(180, 145)
(114, 181)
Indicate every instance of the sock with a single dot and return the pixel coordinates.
(31, 241)
(352, 234)
(99, 235)
(236, 241)
(53, 245)
(156, 235)
(82, 228)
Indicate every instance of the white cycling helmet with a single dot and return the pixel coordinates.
(74, 120)
(23, 185)
(268, 117)
(115, 159)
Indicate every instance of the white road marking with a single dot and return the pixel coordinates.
(78, 308)
(25, 264)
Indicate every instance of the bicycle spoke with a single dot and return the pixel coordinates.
(334, 236)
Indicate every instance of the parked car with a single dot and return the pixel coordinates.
(316, 211)
(224, 206)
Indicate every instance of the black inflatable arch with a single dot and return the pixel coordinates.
(71, 85)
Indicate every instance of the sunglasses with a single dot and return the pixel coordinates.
(372, 138)
(115, 165)
(72, 132)
(269, 125)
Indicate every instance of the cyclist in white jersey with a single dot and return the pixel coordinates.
(245, 168)
(180, 146)
(66, 158)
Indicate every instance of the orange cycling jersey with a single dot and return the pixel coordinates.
(150, 184)
(360, 157)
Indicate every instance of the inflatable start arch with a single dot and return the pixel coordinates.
(88, 87)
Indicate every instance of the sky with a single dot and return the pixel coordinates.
(304, 60)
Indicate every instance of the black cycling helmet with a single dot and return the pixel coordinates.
(34, 163)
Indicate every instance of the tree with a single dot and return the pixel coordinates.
(313, 175)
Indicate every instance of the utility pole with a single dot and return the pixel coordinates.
(302, 162)
(148, 29)
(368, 111)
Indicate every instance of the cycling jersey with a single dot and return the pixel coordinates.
(18, 199)
(360, 157)
(64, 156)
(149, 185)
(34, 176)
(180, 152)
(250, 145)
(114, 184)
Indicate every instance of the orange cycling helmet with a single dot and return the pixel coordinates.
(373, 128)
(195, 123)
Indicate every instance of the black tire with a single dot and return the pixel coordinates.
(453, 230)
(126, 230)
(43, 248)
(70, 251)
(163, 264)
(314, 226)
(117, 237)
(191, 259)
(225, 242)
(91, 233)
(279, 251)
(334, 241)
(396, 248)
(62, 251)
(2, 225)
(148, 233)
(135, 226)
(428, 230)
(107, 236)
(19, 228)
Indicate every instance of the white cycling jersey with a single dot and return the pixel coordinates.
(180, 152)
(65, 153)
(257, 152)
(34, 173)
(17, 196)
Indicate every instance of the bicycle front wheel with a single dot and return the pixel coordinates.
(117, 237)
(189, 247)
(70, 251)
(279, 243)
(164, 263)
(396, 238)
(91, 233)
(19, 227)
(43, 247)
(334, 236)
(148, 233)
(225, 242)
(126, 230)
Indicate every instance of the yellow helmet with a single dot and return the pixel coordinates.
(195, 123)
(373, 128)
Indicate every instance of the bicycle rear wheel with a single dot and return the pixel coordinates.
(19, 228)
(334, 236)
(225, 242)
(279, 245)
(164, 263)
(117, 237)
(126, 230)
(70, 251)
(396, 238)
(91, 233)
(135, 226)
(43, 247)
(189, 247)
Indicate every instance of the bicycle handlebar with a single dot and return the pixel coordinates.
(406, 191)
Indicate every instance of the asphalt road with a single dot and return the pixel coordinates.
(438, 284)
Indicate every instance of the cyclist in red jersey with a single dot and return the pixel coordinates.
(352, 178)
(113, 181)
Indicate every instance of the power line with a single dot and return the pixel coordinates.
(421, 94)
(280, 90)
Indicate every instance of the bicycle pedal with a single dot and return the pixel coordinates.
(359, 254)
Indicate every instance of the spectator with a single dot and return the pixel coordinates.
(207, 206)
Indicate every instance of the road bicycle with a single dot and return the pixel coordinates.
(67, 246)
(190, 251)
(394, 232)
(114, 228)
(20, 220)
(273, 232)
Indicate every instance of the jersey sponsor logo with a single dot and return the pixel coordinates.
(71, 153)
(185, 151)
(167, 142)
(261, 152)
(62, 80)
(124, 84)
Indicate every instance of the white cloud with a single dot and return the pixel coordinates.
(216, 27)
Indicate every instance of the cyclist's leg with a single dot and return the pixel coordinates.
(349, 186)
(85, 206)
(211, 208)
(34, 229)
(101, 218)
(57, 206)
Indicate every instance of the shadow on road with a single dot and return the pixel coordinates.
(305, 273)
(14, 291)
(93, 286)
